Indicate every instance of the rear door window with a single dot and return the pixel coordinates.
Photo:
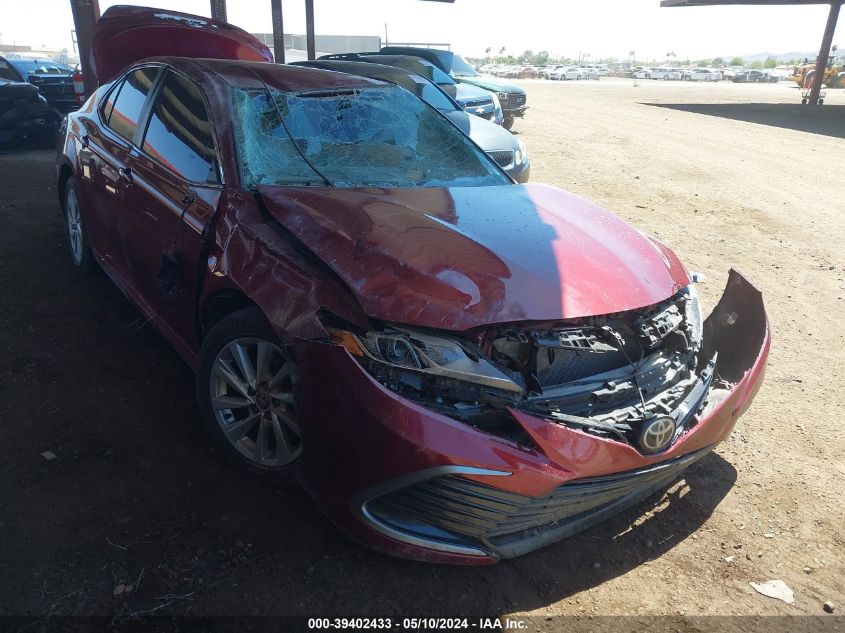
(179, 134)
(125, 104)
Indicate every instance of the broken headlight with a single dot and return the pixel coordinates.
(694, 313)
(428, 354)
(520, 155)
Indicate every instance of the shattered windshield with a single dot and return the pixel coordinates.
(362, 137)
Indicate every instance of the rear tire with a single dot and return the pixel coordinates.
(77, 232)
(247, 387)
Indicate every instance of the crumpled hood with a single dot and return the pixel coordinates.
(10, 90)
(464, 257)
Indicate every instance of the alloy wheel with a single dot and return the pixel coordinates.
(253, 396)
(74, 226)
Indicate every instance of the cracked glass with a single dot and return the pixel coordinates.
(380, 136)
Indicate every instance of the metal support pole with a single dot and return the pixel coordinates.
(278, 31)
(218, 10)
(310, 40)
(85, 16)
(827, 40)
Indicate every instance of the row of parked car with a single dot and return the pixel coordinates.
(576, 72)
(706, 74)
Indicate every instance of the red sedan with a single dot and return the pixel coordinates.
(456, 367)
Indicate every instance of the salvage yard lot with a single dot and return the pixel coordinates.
(136, 512)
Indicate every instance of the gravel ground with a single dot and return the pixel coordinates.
(137, 514)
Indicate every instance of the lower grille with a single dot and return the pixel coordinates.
(503, 158)
(461, 510)
(485, 103)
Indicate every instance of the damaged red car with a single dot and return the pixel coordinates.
(457, 368)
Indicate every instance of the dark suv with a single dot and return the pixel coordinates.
(53, 79)
(511, 97)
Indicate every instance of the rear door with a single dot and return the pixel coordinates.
(176, 185)
(104, 161)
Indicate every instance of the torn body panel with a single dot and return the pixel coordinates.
(254, 259)
(352, 416)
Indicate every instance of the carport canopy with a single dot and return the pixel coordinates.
(827, 39)
(87, 12)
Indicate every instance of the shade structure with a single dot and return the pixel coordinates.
(827, 38)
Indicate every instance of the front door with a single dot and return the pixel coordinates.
(172, 198)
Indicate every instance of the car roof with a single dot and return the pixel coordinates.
(362, 69)
(248, 74)
(400, 58)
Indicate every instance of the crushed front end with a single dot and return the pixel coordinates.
(490, 445)
(25, 114)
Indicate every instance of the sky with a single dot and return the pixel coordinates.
(566, 28)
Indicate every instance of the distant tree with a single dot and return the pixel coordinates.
(526, 56)
(737, 61)
(770, 62)
(706, 62)
(539, 59)
(718, 61)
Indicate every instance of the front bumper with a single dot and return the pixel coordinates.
(514, 111)
(410, 482)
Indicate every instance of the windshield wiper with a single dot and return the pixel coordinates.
(321, 94)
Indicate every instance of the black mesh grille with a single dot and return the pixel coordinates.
(503, 158)
(513, 100)
(495, 517)
(477, 103)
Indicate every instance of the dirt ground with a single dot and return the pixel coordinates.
(138, 514)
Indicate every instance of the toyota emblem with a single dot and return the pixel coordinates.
(657, 433)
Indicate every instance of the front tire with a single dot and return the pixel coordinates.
(508, 122)
(77, 232)
(247, 389)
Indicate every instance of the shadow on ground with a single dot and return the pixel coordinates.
(828, 120)
(137, 514)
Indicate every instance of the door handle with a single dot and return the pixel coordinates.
(125, 174)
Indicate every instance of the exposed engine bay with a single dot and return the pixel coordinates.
(637, 377)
